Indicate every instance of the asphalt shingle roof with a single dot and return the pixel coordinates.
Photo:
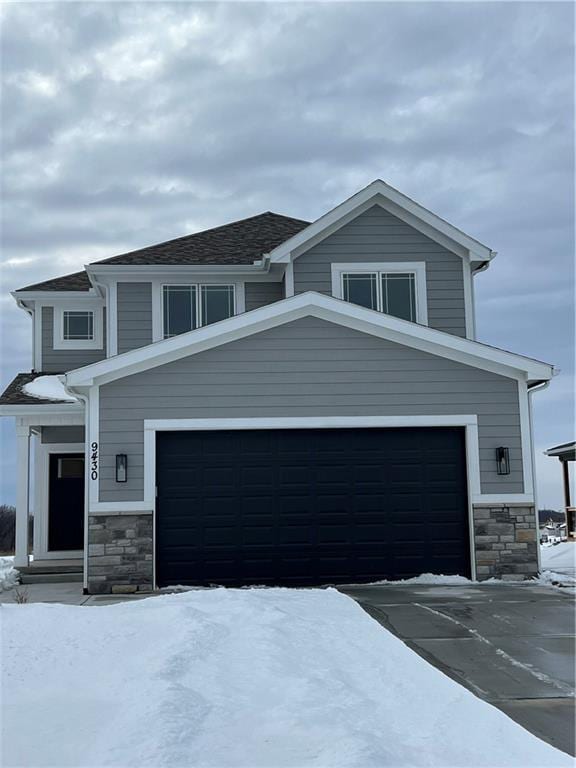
(240, 242)
(13, 394)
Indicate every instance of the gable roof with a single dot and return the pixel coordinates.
(240, 242)
(411, 212)
(325, 308)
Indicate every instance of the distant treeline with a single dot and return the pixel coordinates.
(550, 514)
(8, 529)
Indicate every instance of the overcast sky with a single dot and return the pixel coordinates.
(127, 124)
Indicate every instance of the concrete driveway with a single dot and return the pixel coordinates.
(512, 646)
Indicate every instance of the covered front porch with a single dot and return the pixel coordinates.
(50, 484)
(50, 489)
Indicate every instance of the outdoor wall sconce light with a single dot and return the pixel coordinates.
(503, 461)
(121, 467)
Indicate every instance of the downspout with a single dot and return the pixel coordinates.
(536, 388)
(20, 304)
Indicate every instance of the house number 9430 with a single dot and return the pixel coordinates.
(94, 461)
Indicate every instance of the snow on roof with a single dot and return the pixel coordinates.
(48, 388)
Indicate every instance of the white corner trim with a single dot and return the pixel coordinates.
(525, 434)
(289, 279)
(59, 342)
(112, 319)
(37, 339)
(417, 268)
(400, 205)
(469, 310)
(93, 439)
(325, 308)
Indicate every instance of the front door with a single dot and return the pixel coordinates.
(66, 502)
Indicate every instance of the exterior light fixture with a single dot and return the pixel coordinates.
(503, 461)
(121, 467)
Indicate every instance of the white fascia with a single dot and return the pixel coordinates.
(325, 308)
(380, 193)
(41, 410)
(138, 273)
(48, 296)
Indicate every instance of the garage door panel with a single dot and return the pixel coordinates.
(305, 507)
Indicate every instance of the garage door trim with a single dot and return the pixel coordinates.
(468, 421)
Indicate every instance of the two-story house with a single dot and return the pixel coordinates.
(275, 401)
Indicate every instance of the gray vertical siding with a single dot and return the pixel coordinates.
(308, 367)
(62, 434)
(260, 294)
(134, 302)
(376, 235)
(61, 360)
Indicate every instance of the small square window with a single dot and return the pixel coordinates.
(78, 325)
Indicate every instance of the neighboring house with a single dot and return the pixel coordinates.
(278, 402)
(566, 453)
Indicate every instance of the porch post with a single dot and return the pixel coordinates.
(22, 493)
(566, 478)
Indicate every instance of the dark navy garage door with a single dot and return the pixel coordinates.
(310, 506)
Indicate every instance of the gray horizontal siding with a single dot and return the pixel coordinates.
(375, 236)
(134, 301)
(62, 434)
(260, 294)
(60, 360)
(309, 367)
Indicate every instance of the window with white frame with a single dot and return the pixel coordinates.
(78, 325)
(393, 288)
(186, 307)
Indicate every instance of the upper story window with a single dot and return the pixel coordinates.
(186, 307)
(78, 326)
(396, 288)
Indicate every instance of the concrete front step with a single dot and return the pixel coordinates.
(52, 571)
(53, 566)
(50, 578)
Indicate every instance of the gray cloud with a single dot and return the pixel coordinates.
(125, 124)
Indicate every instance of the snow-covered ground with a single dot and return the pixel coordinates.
(8, 574)
(559, 558)
(265, 678)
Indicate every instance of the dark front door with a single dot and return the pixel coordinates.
(66, 502)
(309, 507)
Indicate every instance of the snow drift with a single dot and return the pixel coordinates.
(48, 388)
(255, 677)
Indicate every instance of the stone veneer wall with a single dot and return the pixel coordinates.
(120, 548)
(506, 542)
(120, 554)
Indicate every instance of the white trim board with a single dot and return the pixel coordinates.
(97, 340)
(325, 308)
(380, 193)
(44, 414)
(41, 499)
(468, 421)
